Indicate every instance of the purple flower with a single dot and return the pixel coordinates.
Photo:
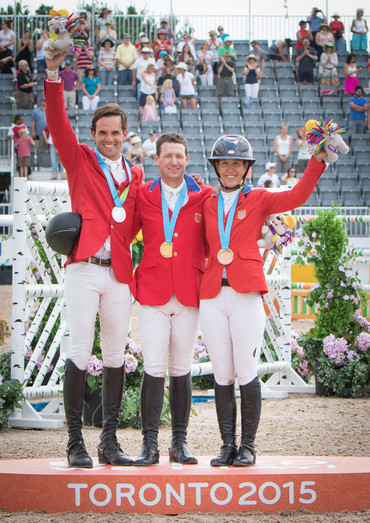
(314, 235)
(346, 298)
(363, 341)
(343, 284)
(351, 355)
(29, 353)
(95, 366)
(131, 363)
(1, 380)
(341, 268)
(303, 368)
(37, 275)
(326, 305)
(330, 295)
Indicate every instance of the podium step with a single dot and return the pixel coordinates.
(274, 484)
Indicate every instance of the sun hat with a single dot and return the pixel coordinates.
(136, 139)
(182, 65)
(270, 165)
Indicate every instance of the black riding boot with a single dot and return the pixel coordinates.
(109, 450)
(152, 392)
(250, 396)
(180, 405)
(226, 416)
(73, 394)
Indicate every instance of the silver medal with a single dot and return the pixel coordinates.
(118, 214)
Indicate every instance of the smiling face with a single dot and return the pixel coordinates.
(172, 161)
(109, 136)
(231, 172)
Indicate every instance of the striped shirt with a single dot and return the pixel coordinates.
(83, 60)
(106, 57)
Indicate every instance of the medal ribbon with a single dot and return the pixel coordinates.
(169, 226)
(224, 233)
(118, 200)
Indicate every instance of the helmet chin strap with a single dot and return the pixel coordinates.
(235, 186)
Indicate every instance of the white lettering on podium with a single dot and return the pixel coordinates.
(252, 490)
(129, 495)
(77, 487)
(106, 489)
(229, 495)
(155, 500)
(198, 495)
(261, 493)
(179, 497)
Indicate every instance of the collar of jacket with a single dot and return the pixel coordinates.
(190, 183)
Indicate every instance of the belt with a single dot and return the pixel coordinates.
(99, 261)
(68, 90)
(225, 282)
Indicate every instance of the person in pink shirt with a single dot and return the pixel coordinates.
(24, 142)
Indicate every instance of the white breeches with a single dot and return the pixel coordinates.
(233, 324)
(167, 337)
(90, 104)
(90, 289)
(251, 90)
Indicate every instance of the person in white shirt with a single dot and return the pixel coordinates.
(187, 85)
(140, 64)
(149, 145)
(270, 174)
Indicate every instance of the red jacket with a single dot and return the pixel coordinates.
(157, 278)
(245, 272)
(89, 191)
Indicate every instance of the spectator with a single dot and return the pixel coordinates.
(169, 73)
(290, 177)
(84, 58)
(358, 109)
(328, 69)
(214, 45)
(283, 145)
(126, 55)
(71, 83)
(225, 84)
(150, 110)
(149, 145)
(269, 175)
(25, 49)
(164, 25)
(135, 154)
(221, 33)
(24, 142)
(351, 72)
(279, 50)
(25, 86)
(162, 43)
(127, 143)
(205, 64)
(54, 158)
(84, 32)
(306, 58)
(303, 154)
(268, 184)
(252, 75)
(148, 86)
(41, 43)
(107, 62)
(7, 36)
(145, 44)
(186, 40)
(107, 34)
(315, 21)
(260, 54)
(227, 50)
(186, 56)
(187, 85)
(38, 124)
(90, 87)
(85, 17)
(359, 29)
(337, 28)
(302, 33)
(140, 36)
(168, 97)
(140, 64)
(323, 37)
(105, 14)
(15, 128)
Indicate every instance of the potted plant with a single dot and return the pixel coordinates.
(339, 342)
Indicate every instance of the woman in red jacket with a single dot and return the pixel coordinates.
(231, 309)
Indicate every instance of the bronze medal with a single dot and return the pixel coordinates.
(225, 256)
(166, 249)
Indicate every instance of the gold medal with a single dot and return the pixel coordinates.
(166, 249)
(225, 256)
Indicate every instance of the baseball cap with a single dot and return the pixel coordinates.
(145, 50)
(163, 53)
(141, 35)
(137, 139)
(152, 131)
(270, 165)
(42, 99)
(303, 22)
(126, 35)
(67, 62)
(108, 22)
(130, 134)
(228, 39)
(336, 14)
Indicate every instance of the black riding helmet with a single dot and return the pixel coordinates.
(62, 231)
(232, 146)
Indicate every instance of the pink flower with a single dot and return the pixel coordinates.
(131, 363)
(29, 353)
(330, 294)
(1, 380)
(363, 341)
(303, 368)
(95, 366)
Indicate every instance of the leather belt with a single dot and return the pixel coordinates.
(225, 282)
(99, 261)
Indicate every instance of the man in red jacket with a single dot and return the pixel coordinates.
(166, 285)
(103, 188)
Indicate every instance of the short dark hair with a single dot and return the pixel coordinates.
(171, 138)
(111, 109)
(359, 87)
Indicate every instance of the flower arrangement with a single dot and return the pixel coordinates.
(137, 249)
(10, 391)
(339, 340)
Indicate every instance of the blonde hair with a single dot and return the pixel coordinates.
(167, 84)
(22, 132)
(150, 100)
(148, 67)
(301, 129)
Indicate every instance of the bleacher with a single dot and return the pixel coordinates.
(280, 101)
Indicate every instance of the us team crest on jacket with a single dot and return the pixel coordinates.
(197, 217)
(242, 214)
